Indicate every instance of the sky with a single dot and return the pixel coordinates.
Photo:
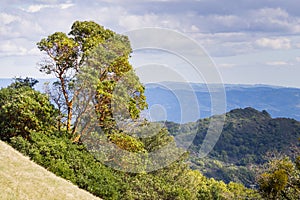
(249, 41)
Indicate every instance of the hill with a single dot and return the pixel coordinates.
(247, 138)
(23, 179)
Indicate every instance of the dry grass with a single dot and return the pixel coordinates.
(22, 179)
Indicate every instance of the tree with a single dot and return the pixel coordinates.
(91, 46)
(120, 95)
(21, 82)
(23, 110)
(63, 55)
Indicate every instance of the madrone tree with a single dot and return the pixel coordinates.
(90, 48)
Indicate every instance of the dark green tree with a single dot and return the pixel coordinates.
(23, 110)
(115, 92)
(21, 82)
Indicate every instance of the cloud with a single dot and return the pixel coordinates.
(18, 26)
(6, 19)
(39, 7)
(18, 47)
(226, 65)
(241, 32)
(276, 20)
(277, 63)
(134, 21)
(8, 48)
(226, 29)
(274, 43)
(130, 22)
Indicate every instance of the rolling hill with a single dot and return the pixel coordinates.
(248, 139)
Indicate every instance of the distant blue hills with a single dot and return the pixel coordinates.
(172, 100)
(277, 101)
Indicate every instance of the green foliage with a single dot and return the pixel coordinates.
(62, 61)
(73, 162)
(62, 51)
(224, 171)
(23, 110)
(22, 82)
(280, 180)
(247, 137)
(66, 55)
(126, 142)
(88, 35)
(249, 134)
(119, 94)
(90, 45)
(154, 142)
(70, 161)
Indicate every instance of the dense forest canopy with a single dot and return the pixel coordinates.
(249, 139)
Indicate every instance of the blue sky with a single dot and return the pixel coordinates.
(250, 41)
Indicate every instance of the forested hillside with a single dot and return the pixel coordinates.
(249, 138)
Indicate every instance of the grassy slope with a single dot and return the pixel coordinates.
(20, 178)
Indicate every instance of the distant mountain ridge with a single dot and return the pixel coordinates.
(276, 100)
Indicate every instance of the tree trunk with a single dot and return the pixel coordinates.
(69, 119)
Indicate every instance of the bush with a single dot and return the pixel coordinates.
(22, 110)
(72, 162)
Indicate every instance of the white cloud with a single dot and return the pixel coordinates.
(18, 25)
(130, 22)
(65, 5)
(227, 20)
(34, 51)
(18, 47)
(194, 28)
(8, 48)
(7, 18)
(232, 33)
(272, 13)
(38, 7)
(277, 43)
(226, 65)
(269, 18)
(277, 63)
